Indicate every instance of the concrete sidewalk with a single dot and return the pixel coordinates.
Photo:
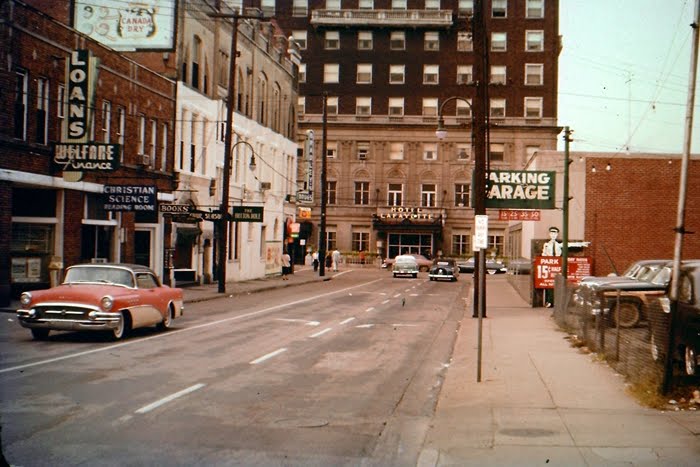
(541, 401)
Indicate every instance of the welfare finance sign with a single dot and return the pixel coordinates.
(130, 198)
(87, 157)
(520, 189)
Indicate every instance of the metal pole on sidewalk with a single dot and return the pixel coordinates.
(322, 243)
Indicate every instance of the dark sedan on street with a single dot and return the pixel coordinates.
(444, 269)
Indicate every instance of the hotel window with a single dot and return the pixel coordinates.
(106, 120)
(397, 40)
(462, 194)
(498, 41)
(362, 193)
(431, 74)
(396, 152)
(534, 41)
(332, 150)
(431, 41)
(330, 240)
(141, 142)
(430, 106)
(499, 8)
(466, 7)
(164, 147)
(300, 7)
(302, 72)
(534, 74)
(364, 73)
(498, 74)
(465, 74)
(153, 146)
(42, 111)
(497, 152)
(362, 150)
(464, 109)
(332, 41)
(533, 107)
(464, 42)
(331, 73)
(332, 106)
(363, 106)
(21, 101)
(396, 106)
(366, 5)
(463, 151)
(497, 108)
(365, 40)
(301, 105)
(331, 192)
(461, 245)
(267, 7)
(360, 241)
(300, 38)
(397, 74)
(432, 4)
(398, 4)
(428, 195)
(395, 194)
(332, 4)
(430, 151)
(534, 8)
(121, 126)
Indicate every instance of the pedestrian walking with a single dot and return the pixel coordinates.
(329, 261)
(286, 265)
(314, 260)
(336, 259)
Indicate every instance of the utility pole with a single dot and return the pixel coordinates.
(230, 101)
(324, 193)
(565, 206)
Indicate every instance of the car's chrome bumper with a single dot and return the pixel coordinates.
(62, 321)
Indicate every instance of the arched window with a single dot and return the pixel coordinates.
(262, 98)
(196, 59)
(276, 107)
(239, 91)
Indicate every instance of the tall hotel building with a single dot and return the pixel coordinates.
(387, 66)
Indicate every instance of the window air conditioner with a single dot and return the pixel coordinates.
(145, 160)
(265, 185)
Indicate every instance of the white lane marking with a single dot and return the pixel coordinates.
(382, 293)
(165, 400)
(414, 295)
(385, 302)
(268, 356)
(322, 332)
(369, 309)
(174, 332)
(397, 295)
(399, 325)
(364, 325)
(409, 289)
(305, 321)
(346, 321)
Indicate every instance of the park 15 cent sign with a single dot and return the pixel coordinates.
(520, 189)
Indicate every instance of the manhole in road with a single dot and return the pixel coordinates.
(526, 432)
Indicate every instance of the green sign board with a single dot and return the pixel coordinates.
(247, 213)
(520, 189)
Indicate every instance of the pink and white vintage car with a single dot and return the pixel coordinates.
(101, 297)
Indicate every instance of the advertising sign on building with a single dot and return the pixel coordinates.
(518, 215)
(81, 74)
(99, 157)
(127, 25)
(247, 213)
(130, 198)
(309, 155)
(546, 268)
(520, 189)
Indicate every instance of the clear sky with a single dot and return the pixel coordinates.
(623, 74)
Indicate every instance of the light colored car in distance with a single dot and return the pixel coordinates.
(444, 269)
(405, 265)
(110, 297)
(492, 266)
(424, 263)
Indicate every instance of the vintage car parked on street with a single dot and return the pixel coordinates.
(101, 297)
(686, 328)
(423, 262)
(492, 266)
(405, 265)
(444, 268)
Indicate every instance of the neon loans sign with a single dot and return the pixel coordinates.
(520, 189)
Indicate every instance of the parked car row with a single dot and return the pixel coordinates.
(641, 295)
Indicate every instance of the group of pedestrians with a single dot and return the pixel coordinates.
(332, 260)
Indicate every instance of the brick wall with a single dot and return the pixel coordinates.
(631, 210)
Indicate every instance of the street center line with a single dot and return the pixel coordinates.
(369, 309)
(397, 295)
(346, 321)
(320, 333)
(165, 400)
(174, 332)
(268, 356)
(385, 302)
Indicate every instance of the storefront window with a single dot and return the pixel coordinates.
(31, 249)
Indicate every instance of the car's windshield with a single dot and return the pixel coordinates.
(662, 276)
(99, 274)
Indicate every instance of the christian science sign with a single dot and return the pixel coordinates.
(520, 189)
(130, 198)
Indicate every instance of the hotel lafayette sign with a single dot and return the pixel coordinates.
(401, 213)
(520, 189)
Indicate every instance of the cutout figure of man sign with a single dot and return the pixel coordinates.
(551, 248)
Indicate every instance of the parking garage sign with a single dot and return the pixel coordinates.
(520, 189)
